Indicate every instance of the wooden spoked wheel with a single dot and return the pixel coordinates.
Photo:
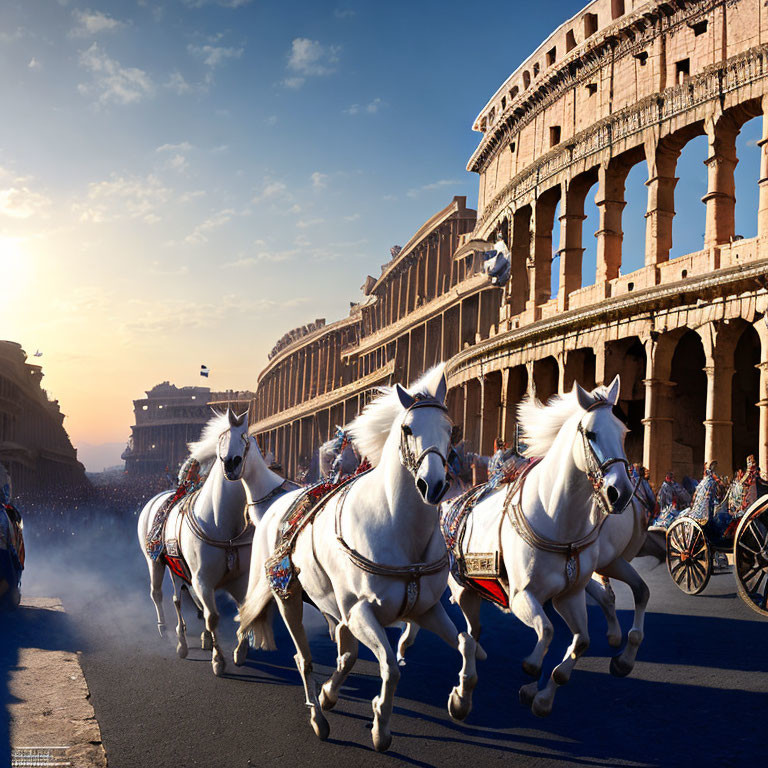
(750, 556)
(689, 557)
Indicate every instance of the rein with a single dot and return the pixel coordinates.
(412, 572)
(596, 475)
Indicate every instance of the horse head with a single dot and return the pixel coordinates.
(425, 433)
(234, 444)
(599, 448)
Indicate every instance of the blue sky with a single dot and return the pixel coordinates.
(181, 182)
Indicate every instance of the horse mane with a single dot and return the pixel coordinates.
(541, 423)
(205, 448)
(370, 430)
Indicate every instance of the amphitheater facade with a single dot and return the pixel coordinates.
(621, 84)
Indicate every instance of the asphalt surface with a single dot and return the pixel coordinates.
(697, 694)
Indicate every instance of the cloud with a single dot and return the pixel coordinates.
(344, 13)
(222, 3)
(200, 233)
(319, 180)
(177, 155)
(20, 202)
(123, 197)
(261, 257)
(304, 223)
(111, 81)
(35, 64)
(271, 120)
(183, 146)
(214, 55)
(310, 58)
(353, 217)
(416, 191)
(177, 83)
(273, 190)
(367, 109)
(88, 23)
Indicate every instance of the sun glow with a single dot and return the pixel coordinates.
(15, 265)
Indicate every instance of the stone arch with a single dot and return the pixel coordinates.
(627, 358)
(544, 211)
(517, 386)
(689, 400)
(580, 366)
(546, 374)
(745, 395)
(518, 288)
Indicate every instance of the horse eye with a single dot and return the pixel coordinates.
(591, 435)
(407, 430)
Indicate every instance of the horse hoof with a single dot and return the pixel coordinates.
(400, 661)
(206, 641)
(219, 665)
(541, 707)
(531, 669)
(459, 708)
(319, 724)
(528, 693)
(614, 641)
(619, 667)
(181, 650)
(327, 700)
(382, 739)
(240, 655)
(161, 630)
(480, 653)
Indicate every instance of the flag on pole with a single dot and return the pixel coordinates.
(204, 371)
(38, 353)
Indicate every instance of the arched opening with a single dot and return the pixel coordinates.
(545, 378)
(689, 403)
(589, 228)
(745, 393)
(633, 219)
(689, 222)
(746, 176)
(627, 358)
(554, 278)
(580, 367)
(491, 411)
(517, 386)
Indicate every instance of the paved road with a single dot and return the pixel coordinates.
(697, 695)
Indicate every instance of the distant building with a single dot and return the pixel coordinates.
(34, 446)
(166, 420)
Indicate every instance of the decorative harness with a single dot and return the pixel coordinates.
(596, 475)
(280, 568)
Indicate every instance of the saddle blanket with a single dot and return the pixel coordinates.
(158, 545)
(477, 565)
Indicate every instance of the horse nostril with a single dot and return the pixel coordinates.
(613, 494)
(437, 492)
(421, 484)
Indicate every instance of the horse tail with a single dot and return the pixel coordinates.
(256, 616)
(654, 546)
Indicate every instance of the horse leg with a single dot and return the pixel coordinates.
(181, 626)
(573, 608)
(238, 589)
(346, 643)
(607, 602)
(156, 574)
(469, 602)
(528, 609)
(620, 569)
(367, 630)
(407, 639)
(437, 620)
(211, 615)
(292, 609)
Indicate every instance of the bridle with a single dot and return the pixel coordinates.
(408, 458)
(245, 437)
(596, 469)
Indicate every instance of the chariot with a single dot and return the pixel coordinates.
(698, 547)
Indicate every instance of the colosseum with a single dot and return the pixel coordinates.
(592, 124)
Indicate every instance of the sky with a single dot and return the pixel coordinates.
(182, 182)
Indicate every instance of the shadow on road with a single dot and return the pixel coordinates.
(26, 627)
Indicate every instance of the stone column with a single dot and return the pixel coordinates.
(658, 421)
(761, 326)
(610, 204)
(504, 404)
(562, 364)
(721, 186)
(718, 426)
(571, 252)
(661, 184)
(762, 210)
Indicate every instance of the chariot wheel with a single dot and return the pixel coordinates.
(689, 557)
(750, 556)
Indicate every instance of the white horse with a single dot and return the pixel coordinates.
(621, 539)
(213, 535)
(549, 534)
(382, 560)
